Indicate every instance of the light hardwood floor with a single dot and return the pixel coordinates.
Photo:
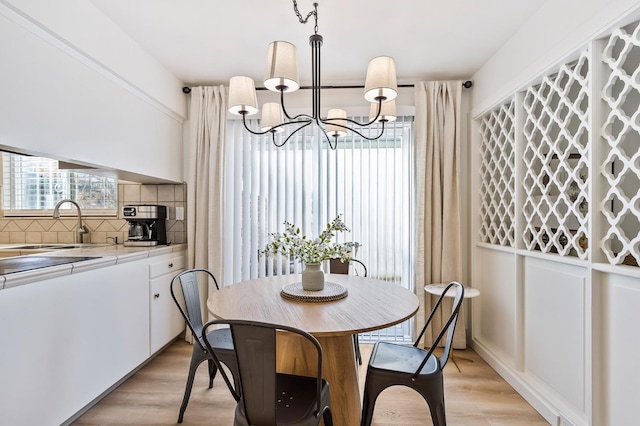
(475, 396)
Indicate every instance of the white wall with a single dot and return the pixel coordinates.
(556, 30)
(559, 330)
(498, 320)
(76, 88)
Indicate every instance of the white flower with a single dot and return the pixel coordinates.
(292, 243)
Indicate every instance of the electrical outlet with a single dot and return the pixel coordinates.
(179, 213)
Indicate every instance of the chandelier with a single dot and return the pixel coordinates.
(281, 76)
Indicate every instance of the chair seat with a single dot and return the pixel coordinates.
(220, 339)
(400, 358)
(296, 400)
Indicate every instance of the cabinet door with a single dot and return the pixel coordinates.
(166, 320)
(65, 340)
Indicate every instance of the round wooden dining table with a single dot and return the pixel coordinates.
(370, 304)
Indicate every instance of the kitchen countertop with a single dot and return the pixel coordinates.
(100, 255)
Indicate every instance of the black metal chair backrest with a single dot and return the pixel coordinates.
(336, 266)
(255, 346)
(448, 327)
(189, 285)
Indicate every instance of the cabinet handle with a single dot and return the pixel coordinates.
(155, 296)
(171, 265)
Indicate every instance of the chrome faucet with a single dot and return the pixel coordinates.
(81, 229)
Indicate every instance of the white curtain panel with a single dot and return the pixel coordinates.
(204, 153)
(437, 169)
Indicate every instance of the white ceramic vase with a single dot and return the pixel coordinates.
(312, 277)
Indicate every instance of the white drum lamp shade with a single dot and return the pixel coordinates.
(271, 116)
(332, 129)
(381, 80)
(281, 75)
(242, 96)
(281, 72)
(387, 112)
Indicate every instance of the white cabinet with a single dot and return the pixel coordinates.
(166, 322)
(66, 340)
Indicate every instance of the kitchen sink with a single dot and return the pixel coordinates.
(27, 263)
(44, 246)
(53, 246)
(42, 249)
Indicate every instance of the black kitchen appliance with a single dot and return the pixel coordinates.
(147, 224)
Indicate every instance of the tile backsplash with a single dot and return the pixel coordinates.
(38, 230)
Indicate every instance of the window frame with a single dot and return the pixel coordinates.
(66, 210)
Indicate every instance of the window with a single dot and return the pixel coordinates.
(305, 182)
(33, 186)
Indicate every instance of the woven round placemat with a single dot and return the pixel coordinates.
(329, 293)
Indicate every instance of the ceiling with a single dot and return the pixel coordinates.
(209, 41)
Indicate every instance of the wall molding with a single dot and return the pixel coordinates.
(18, 17)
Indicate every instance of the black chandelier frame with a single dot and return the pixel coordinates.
(304, 120)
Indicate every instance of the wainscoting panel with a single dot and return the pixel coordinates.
(496, 303)
(554, 323)
(620, 348)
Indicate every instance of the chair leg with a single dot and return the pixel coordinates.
(356, 345)
(433, 394)
(369, 402)
(438, 416)
(327, 417)
(437, 413)
(367, 410)
(212, 372)
(197, 357)
(229, 360)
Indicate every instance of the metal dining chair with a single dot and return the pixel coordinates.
(336, 266)
(393, 364)
(219, 339)
(266, 397)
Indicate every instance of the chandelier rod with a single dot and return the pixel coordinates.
(467, 84)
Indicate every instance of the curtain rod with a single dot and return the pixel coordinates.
(466, 84)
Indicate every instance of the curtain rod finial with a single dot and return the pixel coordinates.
(186, 89)
(467, 84)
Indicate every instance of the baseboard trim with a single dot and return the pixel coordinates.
(538, 401)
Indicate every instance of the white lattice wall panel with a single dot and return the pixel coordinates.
(497, 177)
(556, 157)
(621, 132)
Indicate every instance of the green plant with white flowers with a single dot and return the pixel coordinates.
(291, 243)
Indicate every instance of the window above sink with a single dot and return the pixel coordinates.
(33, 185)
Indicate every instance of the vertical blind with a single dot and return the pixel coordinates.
(370, 183)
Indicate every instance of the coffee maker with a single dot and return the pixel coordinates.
(147, 224)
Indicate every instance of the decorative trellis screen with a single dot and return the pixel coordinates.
(621, 133)
(497, 176)
(558, 165)
(556, 157)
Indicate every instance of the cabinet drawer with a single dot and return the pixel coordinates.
(170, 265)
